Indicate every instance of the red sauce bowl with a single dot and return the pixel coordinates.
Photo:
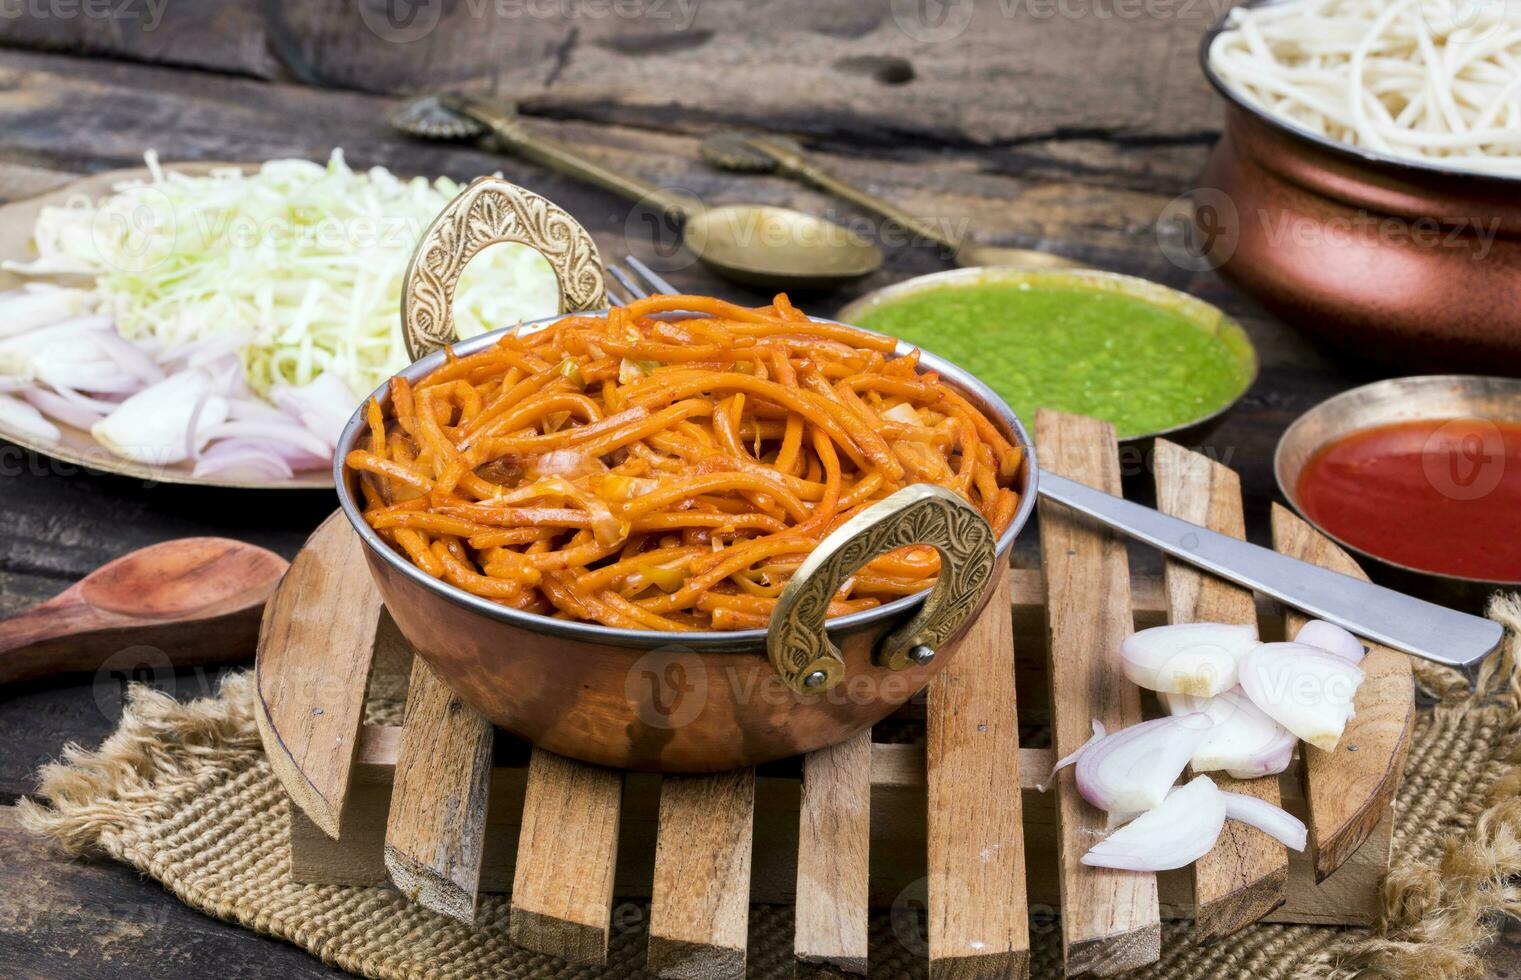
(1488, 408)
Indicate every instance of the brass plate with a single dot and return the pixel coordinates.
(77, 446)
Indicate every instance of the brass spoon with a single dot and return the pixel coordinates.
(197, 600)
(752, 244)
(741, 152)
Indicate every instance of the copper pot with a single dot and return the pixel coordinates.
(1398, 261)
(677, 702)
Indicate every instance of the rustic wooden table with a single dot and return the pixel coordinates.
(1067, 126)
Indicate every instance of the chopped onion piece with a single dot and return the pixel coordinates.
(1245, 742)
(1132, 769)
(20, 417)
(38, 305)
(1278, 823)
(1332, 639)
(152, 426)
(1186, 658)
(1303, 688)
(1067, 760)
(324, 406)
(232, 459)
(288, 433)
(58, 407)
(1177, 833)
(905, 413)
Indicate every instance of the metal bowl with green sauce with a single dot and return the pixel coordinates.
(1149, 359)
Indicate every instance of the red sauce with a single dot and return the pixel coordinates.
(1441, 495)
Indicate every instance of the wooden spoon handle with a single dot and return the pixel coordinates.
(69, 636)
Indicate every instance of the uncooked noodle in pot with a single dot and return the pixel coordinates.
(1433, 81)
(655, 469)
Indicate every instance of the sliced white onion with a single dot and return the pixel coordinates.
(1303, 688)
(295, 457)
(16, 352)
(1073, 756)
(23, 419)
(151, 426)
(1244, 742)
(60, 408)
(324, 406)
(1132, 769)
(288, 433)
(38, 305)
(245, 461)
(1177, 833)
(1274, 821)
(253, 410)
(1332, 639)
(131, 358)
(1186, 658)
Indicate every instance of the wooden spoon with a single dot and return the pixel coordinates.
(197, 599)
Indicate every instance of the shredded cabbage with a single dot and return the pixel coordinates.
(300, 261)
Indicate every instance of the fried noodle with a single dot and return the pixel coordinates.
(647, 471)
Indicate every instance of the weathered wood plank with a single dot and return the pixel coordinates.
(1350, 788)
(834, 835)
(979, 920)
(437, 817)
(1246, 875)
(312, 670)
(1110, 920)
(562, 889)
(700, 899)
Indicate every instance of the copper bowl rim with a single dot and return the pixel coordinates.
(747, 641)
(1393, 386)
(1396, 166)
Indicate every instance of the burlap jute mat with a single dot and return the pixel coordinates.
(182, 792)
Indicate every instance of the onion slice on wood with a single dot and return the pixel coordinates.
(1187, 658)
(1274, 821)
(1132, 769)
(1244, 742)
(1332, 639)
(1179, 832)
(1303, 688)
(1067, 760)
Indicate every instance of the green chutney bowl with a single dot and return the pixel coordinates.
(988, 362)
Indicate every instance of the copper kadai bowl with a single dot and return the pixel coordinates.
(676, 702)
(1397, 261)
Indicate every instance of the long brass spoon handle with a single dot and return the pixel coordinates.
(967, 252)
(513, 135)
(1414, 626)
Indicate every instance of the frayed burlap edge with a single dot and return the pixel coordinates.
(1437, 915)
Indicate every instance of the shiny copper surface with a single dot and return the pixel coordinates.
(1390, 260)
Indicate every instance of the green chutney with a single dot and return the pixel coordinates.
(1134, 363)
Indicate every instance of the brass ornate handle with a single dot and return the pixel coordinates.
(920, 514)
(492, 210)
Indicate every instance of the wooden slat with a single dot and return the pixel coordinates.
(1109, 918)
(312, 669)
(979, 921)
(437, 817)
(1246, 875)
(562, 891)
(1350, 789)
(834, 833)
(700, 900)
